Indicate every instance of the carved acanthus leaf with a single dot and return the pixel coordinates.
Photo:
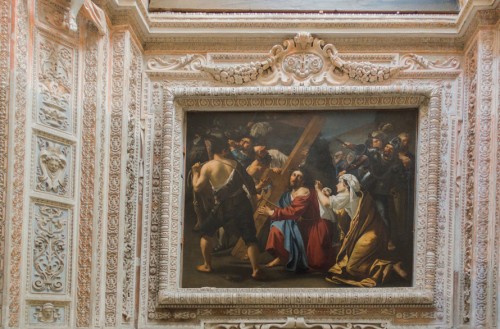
(188, 62)
(49, 250)
(417, 62)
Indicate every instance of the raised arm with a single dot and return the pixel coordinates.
(339, 201)
(322, 198)
(335, 202)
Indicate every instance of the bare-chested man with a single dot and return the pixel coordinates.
(233, 209)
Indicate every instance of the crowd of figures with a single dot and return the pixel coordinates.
(351, 218)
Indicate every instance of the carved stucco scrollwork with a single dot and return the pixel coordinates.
(295, 323)
(468, 194)
(50, 249)
(5, 10)
(303, 60)
(88, 181)
(123, 179)
(171, 181)
(188, 62)
(55, 84)
(115, 154)
(482, 248)
(417, 62)
(156, 187)
(132, 180)
(443, 205)
(18, 174)
(303, 65)
(101, 130)
(144, 198)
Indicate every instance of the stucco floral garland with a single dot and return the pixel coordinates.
(364, 72)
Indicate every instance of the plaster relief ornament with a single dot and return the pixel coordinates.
(303, 65)
(297, 323)
(240, 74)
(55, 17)
(417, 62)
(168, 63)
(49, 252)
(55, 85)
(47, 313)
(53, 164)
(303, 60)
(90, 11)
(53, 116)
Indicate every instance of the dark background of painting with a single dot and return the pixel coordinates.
(287, 127)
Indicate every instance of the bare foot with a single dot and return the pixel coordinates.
(204, 268)
(258, 275)
(274, 262)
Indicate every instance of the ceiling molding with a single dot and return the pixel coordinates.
(229, 28)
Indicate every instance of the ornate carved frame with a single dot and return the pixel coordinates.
(177, 85)
(181, 100)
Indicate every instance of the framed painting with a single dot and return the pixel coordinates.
(305, 199)
(335, 138)
(341, 180)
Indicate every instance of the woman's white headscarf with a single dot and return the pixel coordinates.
(354, 187)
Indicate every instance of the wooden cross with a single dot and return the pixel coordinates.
(280, 182)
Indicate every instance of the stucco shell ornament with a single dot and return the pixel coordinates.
(303, 59)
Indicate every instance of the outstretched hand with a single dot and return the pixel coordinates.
(265, 210)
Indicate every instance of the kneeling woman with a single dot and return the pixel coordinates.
(360, 261)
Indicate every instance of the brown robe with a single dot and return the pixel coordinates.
(360, 261)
